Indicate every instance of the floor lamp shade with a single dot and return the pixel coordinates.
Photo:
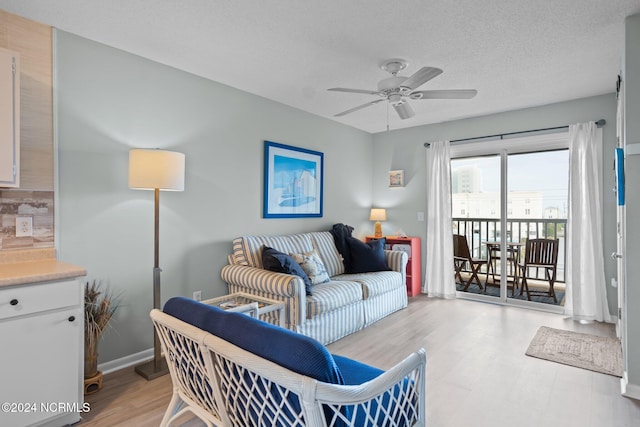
(155, 170)
(151, 169)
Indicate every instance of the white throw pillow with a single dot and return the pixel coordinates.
(313, 266)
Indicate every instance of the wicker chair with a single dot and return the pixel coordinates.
(225, 385)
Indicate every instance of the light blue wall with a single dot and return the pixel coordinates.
(404, 149)
(109, 101)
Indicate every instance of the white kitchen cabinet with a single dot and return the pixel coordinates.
(41, 356)
(9, 118)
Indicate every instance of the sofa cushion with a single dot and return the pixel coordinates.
(325, 245)
(313, 266)
(374, 284)
(332, 295)
(293, 351)
(367, 257)
(279, 262)
(247, 250)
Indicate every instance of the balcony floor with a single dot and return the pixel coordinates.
(534, 285)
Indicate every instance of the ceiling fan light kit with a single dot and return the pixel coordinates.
(404, 110)
(397, 90)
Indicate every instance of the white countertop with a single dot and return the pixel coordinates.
(20, 273)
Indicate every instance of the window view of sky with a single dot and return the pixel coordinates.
(544, 172)
(547, 172)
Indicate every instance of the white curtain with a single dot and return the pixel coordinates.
(586, 297)
(439, 280)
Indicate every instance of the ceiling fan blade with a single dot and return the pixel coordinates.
(404, 110)
(421, 76)
(444, 94)
(342, 89)
(359, 107)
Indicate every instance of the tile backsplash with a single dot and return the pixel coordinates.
(37, 205)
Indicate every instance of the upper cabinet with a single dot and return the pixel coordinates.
(9, 118)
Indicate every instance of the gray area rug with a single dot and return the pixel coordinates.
(592, 352)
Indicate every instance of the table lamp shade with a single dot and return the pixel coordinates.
(378, 214)
(151, 169)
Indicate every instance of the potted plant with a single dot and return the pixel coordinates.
(99, 307)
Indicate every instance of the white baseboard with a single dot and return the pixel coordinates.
(629, 390)
(125, 362)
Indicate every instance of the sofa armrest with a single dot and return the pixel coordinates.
(287, 288)
(397, 260)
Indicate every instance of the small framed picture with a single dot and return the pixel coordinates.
(396, 178)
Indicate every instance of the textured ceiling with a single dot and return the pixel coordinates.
(516, 53)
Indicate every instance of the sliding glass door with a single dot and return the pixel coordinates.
(508, 194)
(537, 207)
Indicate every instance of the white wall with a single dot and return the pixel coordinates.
(109, 101)
(632, 177)
(404, 149)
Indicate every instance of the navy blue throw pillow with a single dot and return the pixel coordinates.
(366, 257)
(279, 262)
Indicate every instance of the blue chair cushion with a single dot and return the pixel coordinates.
(296, 352)
(356, 373)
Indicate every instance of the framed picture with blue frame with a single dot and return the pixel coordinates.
(293, 181)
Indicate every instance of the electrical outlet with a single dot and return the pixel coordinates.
(24, 226)
(197, 295)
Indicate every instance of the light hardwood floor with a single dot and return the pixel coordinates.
(477, 372)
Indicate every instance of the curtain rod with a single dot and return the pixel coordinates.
(600, 123)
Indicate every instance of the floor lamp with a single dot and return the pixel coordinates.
(155, 170)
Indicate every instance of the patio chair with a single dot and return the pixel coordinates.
(539, 253)
(462, 257)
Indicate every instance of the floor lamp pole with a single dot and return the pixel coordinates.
(158, 366)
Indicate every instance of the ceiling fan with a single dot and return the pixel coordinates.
(399, 89)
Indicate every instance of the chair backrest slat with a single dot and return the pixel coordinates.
(541, 252)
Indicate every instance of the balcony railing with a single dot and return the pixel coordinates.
(482, 230)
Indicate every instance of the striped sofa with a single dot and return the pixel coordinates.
(346, 304)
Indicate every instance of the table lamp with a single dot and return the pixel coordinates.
(377, 215)
(156, 170)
